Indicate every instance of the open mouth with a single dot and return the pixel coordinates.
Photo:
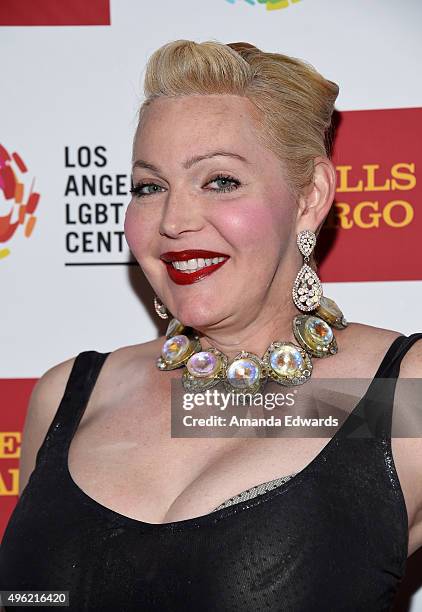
(186, 267)
(193, 265)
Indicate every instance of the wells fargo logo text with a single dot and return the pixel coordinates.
(385, 200)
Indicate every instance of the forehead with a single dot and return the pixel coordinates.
(179, 120)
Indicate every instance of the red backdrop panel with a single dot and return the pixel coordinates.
(14, 397)
(54, 13)
(374, 228)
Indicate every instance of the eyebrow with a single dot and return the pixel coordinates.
(140, 163)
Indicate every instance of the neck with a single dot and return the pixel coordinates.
(264, 326)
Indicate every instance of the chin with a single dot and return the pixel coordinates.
(196, 317)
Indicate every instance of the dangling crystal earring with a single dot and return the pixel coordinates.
(307, 289)
(160, 309)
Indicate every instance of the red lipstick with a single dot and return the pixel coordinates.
(187, 278)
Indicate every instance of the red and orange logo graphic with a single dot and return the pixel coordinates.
(270, 5)
(20, 210)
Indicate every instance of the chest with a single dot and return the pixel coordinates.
(129, 462)
(123, 456)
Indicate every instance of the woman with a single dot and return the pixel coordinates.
(231, 173)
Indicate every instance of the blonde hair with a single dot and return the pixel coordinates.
(294, 102)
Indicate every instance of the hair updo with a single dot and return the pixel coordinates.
(294, 102)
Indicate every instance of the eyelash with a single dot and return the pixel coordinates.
(136, 190)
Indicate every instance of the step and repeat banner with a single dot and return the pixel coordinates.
(72, 76)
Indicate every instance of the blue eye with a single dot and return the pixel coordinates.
(225, 180)
(136, 189)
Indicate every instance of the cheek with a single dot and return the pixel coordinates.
(257, 226)
(137, 230)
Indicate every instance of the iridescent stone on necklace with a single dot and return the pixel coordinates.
(331, 313)
(287, 364)
(175, 348)
(243, 373)
(330, 305)
(203, 364)
(317, 332)
(286, 360)
(314, 335)
(174, 327)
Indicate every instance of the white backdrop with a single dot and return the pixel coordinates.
(65, 88)
(81, 86)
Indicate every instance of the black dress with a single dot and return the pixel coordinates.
(334, 537)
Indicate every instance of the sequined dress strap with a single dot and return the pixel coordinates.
(390, 365)
(81, 381)
(373, 414)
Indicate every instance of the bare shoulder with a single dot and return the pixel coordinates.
(136, 366)
(44, 401)
(411, 364)
(362, 348)
(123, 364)
(144, 350)
(136, 359)
(374, 341)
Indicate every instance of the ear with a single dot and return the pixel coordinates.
(316, 201)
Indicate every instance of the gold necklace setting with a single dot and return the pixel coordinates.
(283, 362)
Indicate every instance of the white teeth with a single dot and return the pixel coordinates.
(191, 265)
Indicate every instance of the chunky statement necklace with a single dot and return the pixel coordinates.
(284, 363)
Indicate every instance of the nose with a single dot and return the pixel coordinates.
(181, 213)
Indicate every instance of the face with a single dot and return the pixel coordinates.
(236, 205)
